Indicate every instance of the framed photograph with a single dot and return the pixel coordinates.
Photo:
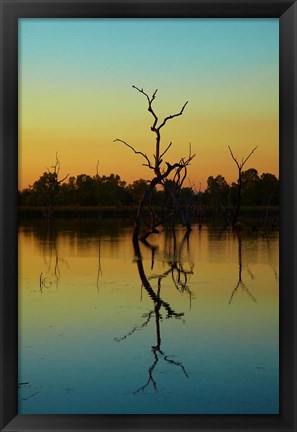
(148, 207)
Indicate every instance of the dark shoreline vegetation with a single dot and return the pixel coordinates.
(109, 196)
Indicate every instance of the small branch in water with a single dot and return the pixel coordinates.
(23, 383)
(34, 394)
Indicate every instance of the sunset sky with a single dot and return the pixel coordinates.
(76, 95)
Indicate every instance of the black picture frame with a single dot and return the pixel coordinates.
(11, 10)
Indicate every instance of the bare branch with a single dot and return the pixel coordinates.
(184, 176)
(190, 149)
(150, 101)
(165, 151)
(180, 165)
(172, 116)
(56, 167)
(246, 159)
(136, 152)
(234, 158)
(145, 94)
(61, 181)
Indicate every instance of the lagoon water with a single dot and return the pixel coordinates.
(191, 328)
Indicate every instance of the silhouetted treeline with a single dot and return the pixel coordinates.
(256, 191)
(85, 190)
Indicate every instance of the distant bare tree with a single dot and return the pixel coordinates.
(47, 187)
(240, 165)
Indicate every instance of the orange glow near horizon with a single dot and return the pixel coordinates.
(79, 152)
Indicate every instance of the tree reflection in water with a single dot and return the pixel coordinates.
(51, 277)
(179, 277)
(240, 283)
(269, 253)
(99, 271)
(179, 274)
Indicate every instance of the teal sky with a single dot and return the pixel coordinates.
(149, 50)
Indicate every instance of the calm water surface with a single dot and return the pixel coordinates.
(190, 327)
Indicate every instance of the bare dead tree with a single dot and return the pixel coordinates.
(48, 187)
(161, 170)
(240, 165)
